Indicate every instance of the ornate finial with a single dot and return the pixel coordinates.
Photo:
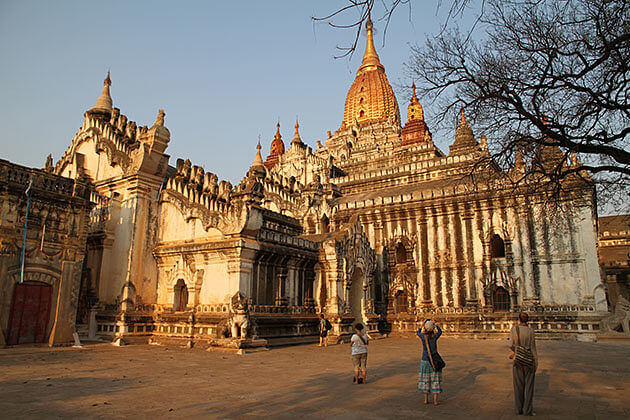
(278, 136)
(462, 119)
(159, 121)
(296, 136)
(370, 57)
(104, 102)
(258, 161)
(414, 112)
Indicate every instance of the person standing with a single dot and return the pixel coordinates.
(429, 380)
(359, 342)
(324, 326)
(525, 365)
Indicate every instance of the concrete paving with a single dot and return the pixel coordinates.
(575, 381)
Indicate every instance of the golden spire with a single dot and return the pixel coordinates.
(370, 58)
(371, 97)
(258, 161)
(414, 112)
(277, 136)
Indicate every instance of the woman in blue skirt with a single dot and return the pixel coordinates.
(429, 381)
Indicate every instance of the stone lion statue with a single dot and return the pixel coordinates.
(239, 316)
(620, 319)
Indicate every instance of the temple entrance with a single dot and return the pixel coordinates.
(30, 312)
(402, 302)
(180, 301)
(357, 297)
(501, 299)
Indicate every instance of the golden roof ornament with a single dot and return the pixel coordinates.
(414, 112)
(371, 97)
(371, 60)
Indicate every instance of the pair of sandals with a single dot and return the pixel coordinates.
(354, 379)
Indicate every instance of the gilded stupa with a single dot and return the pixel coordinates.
(371, 97)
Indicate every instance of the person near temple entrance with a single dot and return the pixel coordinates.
(429, 379)
(525, 356)
(324, 326)
(359, 343)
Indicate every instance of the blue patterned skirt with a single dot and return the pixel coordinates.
(428, 379)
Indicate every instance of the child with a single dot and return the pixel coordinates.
(324, 326)
(359, 343)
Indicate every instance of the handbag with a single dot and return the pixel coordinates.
(523, 357)
(437, 363)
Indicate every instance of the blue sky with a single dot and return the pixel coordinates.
(224, 71)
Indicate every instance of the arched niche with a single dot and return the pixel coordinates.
(497, 247)
(357, 295)
(324, 224)
(400, 253)
(180, 297)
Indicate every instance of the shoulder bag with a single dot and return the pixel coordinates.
(437, 363)
(523, 356)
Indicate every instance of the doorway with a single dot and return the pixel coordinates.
(30, 312)
(357, 298)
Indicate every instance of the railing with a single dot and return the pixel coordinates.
(44, 181)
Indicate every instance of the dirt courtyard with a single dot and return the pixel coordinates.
(574, 381)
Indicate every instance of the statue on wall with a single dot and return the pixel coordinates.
(183, 170)
(620, 319)
(49, 164)
(239, 316)
(210, 183)
(225, 190)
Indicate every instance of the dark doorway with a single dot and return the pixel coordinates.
(501, 300)
(181, 296)
(325, 224)
(401, 254)
(30, 311)
(497, 247)
(402, 302)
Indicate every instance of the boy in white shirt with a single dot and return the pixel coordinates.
(359, 343)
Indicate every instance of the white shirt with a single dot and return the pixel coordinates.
(357, 345)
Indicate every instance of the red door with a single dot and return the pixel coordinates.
(30, 311)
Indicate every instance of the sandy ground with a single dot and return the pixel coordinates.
(574, 381)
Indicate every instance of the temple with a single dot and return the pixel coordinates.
(376, 225)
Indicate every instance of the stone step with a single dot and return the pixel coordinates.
(291, 341)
